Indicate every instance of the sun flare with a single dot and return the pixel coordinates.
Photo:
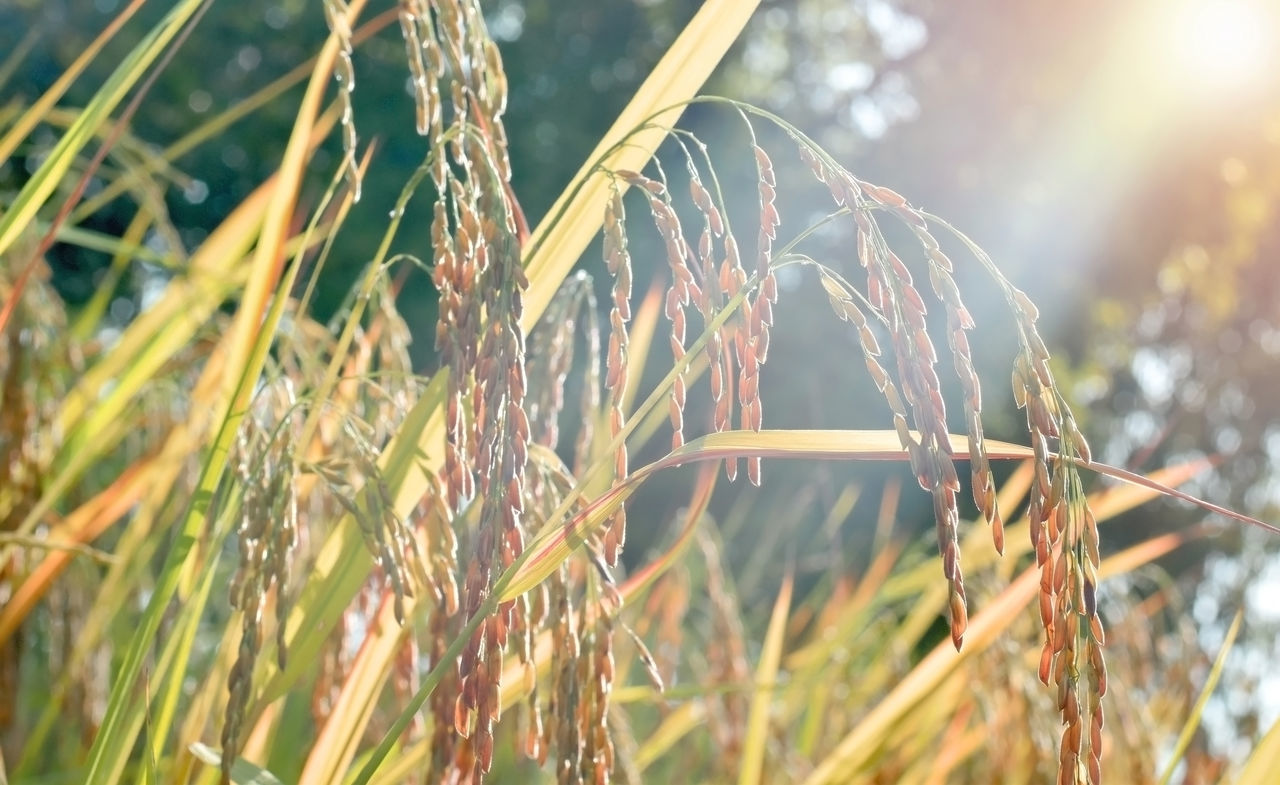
(1224, 44)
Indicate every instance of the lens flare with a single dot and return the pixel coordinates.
(1225, 44)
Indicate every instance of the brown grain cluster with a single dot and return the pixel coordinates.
(1063, 530)
(568, 720)
(267, 537)
(335, 14)
(426, 62)
(897, 302)
(1064, 534)
(667, 222)
(572, 315)
(752, 343)
(287, 492)
(501, 480)
(593, 757)
(476, 507)
(712, 278)
(618, 261)
(478, 274)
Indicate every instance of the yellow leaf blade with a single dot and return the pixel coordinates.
(861, 742)
(561, 237)
(1265, 760)
(766, 677)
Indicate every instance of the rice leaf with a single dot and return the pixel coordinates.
(55, 168)
(1264, 762)
(762, 698)
(860, 744)
(242, 771)
(1197, 712)
(575, 217)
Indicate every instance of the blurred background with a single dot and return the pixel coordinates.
(1119, 161)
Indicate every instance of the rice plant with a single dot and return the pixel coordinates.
(291, 558)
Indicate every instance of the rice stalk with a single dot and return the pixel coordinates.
(337, 16)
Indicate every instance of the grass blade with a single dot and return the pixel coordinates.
(554, 248)
(1193, 721)
(244, 350)
(242, 771)
(55, 168)
(855, 748)
(29, 119)
(1264, 762)
(561, 237)
(766, 678)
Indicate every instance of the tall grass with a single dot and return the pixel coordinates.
(240, 544)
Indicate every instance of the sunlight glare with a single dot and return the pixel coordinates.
(1225, 44)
